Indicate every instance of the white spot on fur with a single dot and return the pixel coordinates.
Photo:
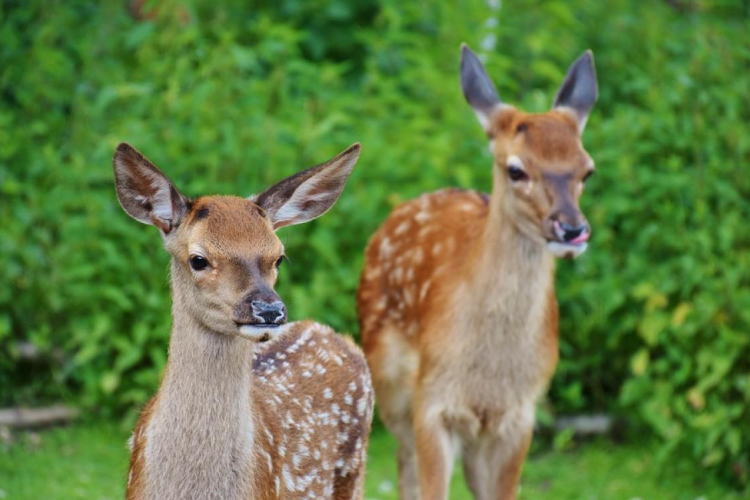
(268, 459)
(410, 274)
(422, 217)
(386, 249)
(402, 228)
(397, 274)
(427, 230)
(408, 296)
(418, 255)
(361, 406)
(424, 289)
(288, 479)
(372, 273)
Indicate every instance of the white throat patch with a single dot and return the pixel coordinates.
(564, 250)
(261, 333)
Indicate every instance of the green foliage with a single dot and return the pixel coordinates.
(230, 98)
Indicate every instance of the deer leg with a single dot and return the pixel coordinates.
(479, 477)
(408, 481)
(435, 457)
(507, 459)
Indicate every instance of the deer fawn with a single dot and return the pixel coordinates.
(234, 417)
(457, 302)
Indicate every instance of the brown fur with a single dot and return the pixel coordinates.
(295, 417)
(458, 312)
(236, 419)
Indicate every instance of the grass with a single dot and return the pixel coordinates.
(90, 462)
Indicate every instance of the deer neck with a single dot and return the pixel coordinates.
(510, 275)
(200, 438)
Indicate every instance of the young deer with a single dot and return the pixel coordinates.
(457, 302)
(234, 417)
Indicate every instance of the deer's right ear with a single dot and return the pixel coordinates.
(145, 193)
(579, 90)
(310, 193)
(478, 89)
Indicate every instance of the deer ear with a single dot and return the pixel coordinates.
(478, 89)
(145, 193)
(310, 193)
(579, 90)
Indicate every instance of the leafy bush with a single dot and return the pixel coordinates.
(231, 98)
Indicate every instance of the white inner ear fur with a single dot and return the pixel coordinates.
(292, 209)
(580, 118)
(292, 213)
(161, 204)
(485, 117)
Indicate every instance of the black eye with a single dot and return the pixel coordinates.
(587, 176)
(516, 174)
(198, 262)
(279, 261)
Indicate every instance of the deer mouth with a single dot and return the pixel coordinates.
(260, 332)
(566, 250)
(566, 242)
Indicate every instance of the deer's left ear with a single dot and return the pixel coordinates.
(579, 90)
(145, 193)
(478, 88)
(310, 193)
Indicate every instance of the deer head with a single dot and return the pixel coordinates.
(225, 252)
(541, 165)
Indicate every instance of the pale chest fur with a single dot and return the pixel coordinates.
(200, 446)
(290, 420)
(495, 354)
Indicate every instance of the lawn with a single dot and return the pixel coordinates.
(90, 462)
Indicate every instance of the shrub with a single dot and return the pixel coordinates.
(231, 98)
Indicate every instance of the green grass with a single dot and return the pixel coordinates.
(90, 462)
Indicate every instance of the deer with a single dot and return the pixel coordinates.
(456, 301)
(250, 406)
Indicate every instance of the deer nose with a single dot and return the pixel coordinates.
(575, 234)
(269, 313)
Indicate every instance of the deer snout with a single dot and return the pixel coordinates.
(573, 234)
(567, 236)
(268, 313)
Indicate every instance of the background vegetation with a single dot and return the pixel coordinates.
(230, 98)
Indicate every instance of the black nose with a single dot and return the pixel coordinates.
(270, 314)
(572, 232)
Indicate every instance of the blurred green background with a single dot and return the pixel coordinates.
(228, 97)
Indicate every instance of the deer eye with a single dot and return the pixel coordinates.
(516, 174)
(587, 176)
(280, 261)
(198, 262)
